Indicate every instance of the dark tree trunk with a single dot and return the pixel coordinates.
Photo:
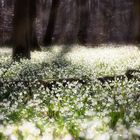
(83, 12)
(22, 33)
(24, 29)
(1, 22)
(51, 23)
(136, 18)
(32, 15)
(34, 42)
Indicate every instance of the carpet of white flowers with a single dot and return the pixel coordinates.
(90, 111)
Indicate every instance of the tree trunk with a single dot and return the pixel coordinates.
(136, 14)
(34, 41)
(83, 12)
(51, 23)
(32, 15)
(24, 33)
(1, 22)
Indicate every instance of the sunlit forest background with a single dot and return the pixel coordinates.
(69, 69)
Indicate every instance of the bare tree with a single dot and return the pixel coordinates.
(24, 33)
(83, 14)
(136, 18)
(51, 23)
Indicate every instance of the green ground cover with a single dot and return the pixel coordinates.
(90, 111)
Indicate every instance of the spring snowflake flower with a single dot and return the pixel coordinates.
(29, 128)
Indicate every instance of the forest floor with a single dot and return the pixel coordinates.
(72, 110)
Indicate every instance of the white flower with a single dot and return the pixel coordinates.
(104, 136)
(68, 137)
(136, 131)
(29, 128)
(9, 130)
(13, 137)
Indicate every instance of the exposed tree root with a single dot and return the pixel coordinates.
(54, 82)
